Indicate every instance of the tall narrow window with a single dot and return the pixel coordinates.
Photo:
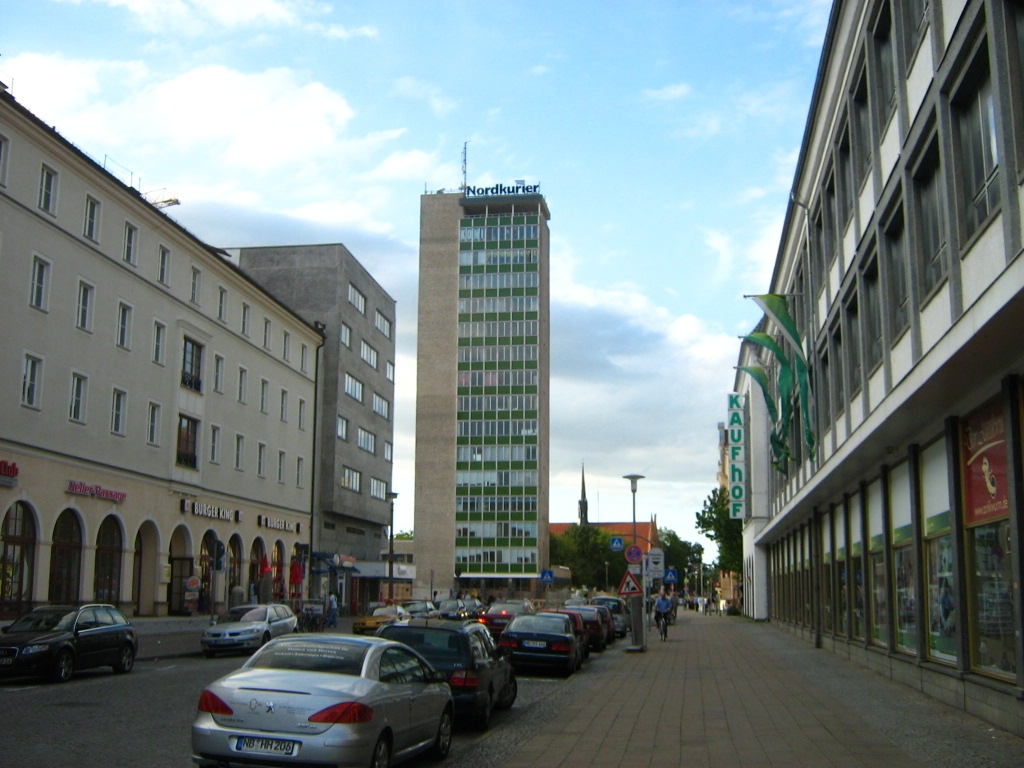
(302, 413)
(118, 411)
(153, 424)
(79, 387)
(188, 437)
(243, 379)
(124, 326)
(885, 65)
(299, 470)
(131, 237)
(931, 225)
(196, 290)
(266, 332)
(218, 373)
(48, 189)
(281, 462)
(91, 228)
(83, 310)
(853, 350)
(284, 405)
(898, 280)
(261, 459)
(979, 155)
(39, 289)
(356, 299)
(32, 381)
(239, 451)
(214, 444)
(246, 316)
(159, 341)
(303, 358)
(222, 304)
(286, 345)
(163, 272)
(872, 292)
(264, 395)
(345, 335)
(860, 117)
(192, 365)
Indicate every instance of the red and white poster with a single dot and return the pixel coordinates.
(984, 464)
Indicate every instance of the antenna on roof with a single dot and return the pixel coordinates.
(464, 145)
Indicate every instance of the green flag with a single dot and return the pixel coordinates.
(758, 374)
(776, 309)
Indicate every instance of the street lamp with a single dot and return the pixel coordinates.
(632, 487)
(391, 546)
(637, 602)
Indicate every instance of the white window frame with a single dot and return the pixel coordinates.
(239, 452)
(284, 405)
(282, 460)
(222, 303)
(353, 387)
(48, 181)
(267, 328)
(218, 373)
(264, 396)
(130, 247)
(39, 284)
(382, 323)
(341, 429)
(367, 441)
(304, 357)
(243, 384)
(299, 471)
(246, 319)
(118, 411)
(83, 305)
(159, 342)
(261, 460)
(302, 414)
(345, 335)
(91, 225)
(123, 332)
(214, 444)
(163, 265)
(78, 397)
(381, 406)
(286, 345)
(356, 299)
(195, 293)
(368, 354)
(32, 381)
(153, 423)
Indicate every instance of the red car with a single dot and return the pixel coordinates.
(578, 626)
(596, 635)
(609, 623)
(499, 614)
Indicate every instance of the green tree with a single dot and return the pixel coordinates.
(714, 522)
(684, 556)
(584, 549)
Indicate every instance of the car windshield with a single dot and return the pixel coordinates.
(506, 607)
(41, 621)
(416, 605)
(535, 623)
(438, 646)
(451, 605)
(247, 613)
(304, 655)
(612, 605)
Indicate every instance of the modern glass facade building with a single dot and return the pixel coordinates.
(482, 391)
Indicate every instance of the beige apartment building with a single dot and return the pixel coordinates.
(156, 405)
(482, 413)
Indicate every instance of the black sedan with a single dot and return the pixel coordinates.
(542, 640)
(479, 673)
(55, 640)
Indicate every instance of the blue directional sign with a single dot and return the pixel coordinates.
(617, 544)
(671, 576)
(547, 577)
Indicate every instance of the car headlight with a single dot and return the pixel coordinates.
(251, 631)
(28, 649)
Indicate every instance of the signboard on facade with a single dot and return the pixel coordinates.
(96, 491)
(8, 474)
(501, 189)
(736, 456)
(984, 464)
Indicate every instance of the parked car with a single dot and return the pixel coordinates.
(578, 627)
(574, 601)
(620, 612)
(419, 608)
(247, 627)
(325, 699)
(596, 632)
(479, 673)
(385, 614)
(608, 622)
(54, 640)
(455, 608)
(497, 616)
(542, 640)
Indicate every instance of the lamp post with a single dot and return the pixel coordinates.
(391, 547)
(637, 602)
(632, 487)
(606, 575)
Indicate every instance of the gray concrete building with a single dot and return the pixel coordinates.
(482, 391)
(326, 285)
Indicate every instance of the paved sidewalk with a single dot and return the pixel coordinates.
(727, 692)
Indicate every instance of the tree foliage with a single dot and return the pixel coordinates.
(585, 549)
(714, 522)
(684, 556)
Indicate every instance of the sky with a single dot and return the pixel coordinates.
(664, 135)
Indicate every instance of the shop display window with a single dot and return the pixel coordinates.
(942, 608)
(879, 600)
(906, 605)
(991, 588)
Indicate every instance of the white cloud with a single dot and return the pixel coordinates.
(668, 93)
(440, 104)
(540, 69)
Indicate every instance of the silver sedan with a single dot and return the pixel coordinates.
(247, 627)
(341, 700)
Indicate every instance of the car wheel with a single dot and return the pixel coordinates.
(508, 697)
(483, 717)
(381, 754)
(443, 742)
(64, 666)
(125, 661)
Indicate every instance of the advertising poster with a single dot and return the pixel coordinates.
(984, 464)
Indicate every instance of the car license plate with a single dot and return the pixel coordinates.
(266, 746)
(7, 660)
(534, 644)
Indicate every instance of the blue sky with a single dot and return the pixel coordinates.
(664, 135)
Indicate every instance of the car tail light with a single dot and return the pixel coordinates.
(345, 712)
(561, 647)
(507, 642)
(215, 705)
(464, 678)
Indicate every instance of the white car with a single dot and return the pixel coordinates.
(247, 627)
(341, 700)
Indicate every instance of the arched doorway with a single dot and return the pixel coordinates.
(259, 566)
(66, 559)
(234, 571)
(144, 570)
(109, 555)
(277, 565)
(206, 553)
(182, 567)
(17, 560)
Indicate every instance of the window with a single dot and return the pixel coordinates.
(218, 373)
(931, 255)
(356, 299)
(378, 488)
(836, 383)
(286, 345)
(163, 269)
(284, 405)
(214, 444)
(48, 189)
(32, 382)
(302, 413)
(264, 395)
(83, 312)
(91, 228)
(382, 324)
(885, 66)
(366, 440)
(871, 289)
(915, 21)
(351, 479)
(342, 428)
(195, 293)
(979, 156)
(303, 358)
(281, 460)
(898, 277)
(159, 341)
(353, 387)
(192, 365)
(39, 290)
(188, 435)
(246, 315)
(222, 303)
(389, 451)
(153, 424)
(299, 471)
(266, 333)
(853, 365)
(118, 411)
(845, 186)
(860, 119)
(239, 451)
(381, 406)
(243, 380)
(124, 325)
(131, 237)
(369, 354)
(345, 334)
(4, 150)
(389, 370)
(822, 387)
(79, 388)
(261, 459)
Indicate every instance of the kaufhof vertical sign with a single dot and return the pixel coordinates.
(735, 443)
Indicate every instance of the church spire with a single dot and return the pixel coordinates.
(583, 497)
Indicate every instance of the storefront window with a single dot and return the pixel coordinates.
(66, 559)
(857, 568)
(906, 606)
(879, 600)
(942, 613)
(828, 622)
(107, 573)
(17, 558)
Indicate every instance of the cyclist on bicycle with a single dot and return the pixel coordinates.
(662, 609)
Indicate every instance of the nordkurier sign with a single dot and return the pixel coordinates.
(734, 445)
(501, 189)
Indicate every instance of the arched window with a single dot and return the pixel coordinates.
(109, 551)
(66, 559)
(17, 558)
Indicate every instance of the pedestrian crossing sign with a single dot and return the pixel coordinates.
(630, 586)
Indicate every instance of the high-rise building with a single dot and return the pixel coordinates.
(482, 418)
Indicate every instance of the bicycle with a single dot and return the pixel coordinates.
(661, 620)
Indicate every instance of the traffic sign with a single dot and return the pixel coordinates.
(671, 576)
(617, 544)
(656, 563)
(634, 554)
(547, 577)
(630, 586)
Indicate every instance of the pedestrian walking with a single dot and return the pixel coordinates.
(332, 611)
